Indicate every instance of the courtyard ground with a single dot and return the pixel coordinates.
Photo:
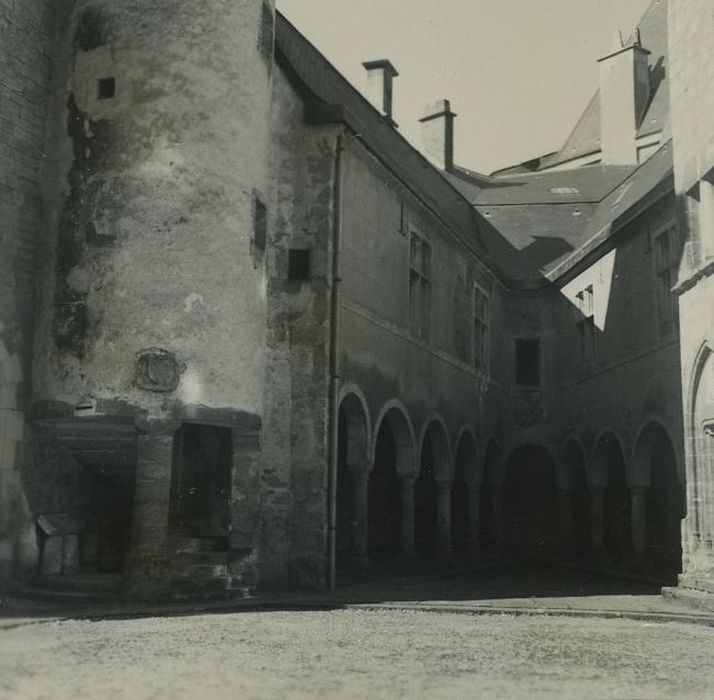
(356, 654)
(500, 634)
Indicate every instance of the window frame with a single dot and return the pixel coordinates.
(481, 324)
(419, 290)
(665, 266)
(585, 323)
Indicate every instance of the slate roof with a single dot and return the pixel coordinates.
(585, 137)
(551, 232)
(586, 184)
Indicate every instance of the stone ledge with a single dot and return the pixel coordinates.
(690, 597)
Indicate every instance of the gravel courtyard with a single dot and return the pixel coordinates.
(356, 654)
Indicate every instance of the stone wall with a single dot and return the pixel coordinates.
(160, 130)
(632, 375)
(691, 49)
(293, 485)
(430, 371)
(26, 30)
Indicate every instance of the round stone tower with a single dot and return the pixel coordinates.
(153, 305)
(156, 288)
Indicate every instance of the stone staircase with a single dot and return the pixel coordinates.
(202, 566)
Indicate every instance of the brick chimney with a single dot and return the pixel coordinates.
(437, 134)
(380, 76)
(624, 94)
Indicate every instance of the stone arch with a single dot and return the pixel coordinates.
(606, 441)
(700, 476)
(655, 483)
(355, 413)
(647, 436)
(467, 457)
(572, 457)
(468, 475)
(435, 430)
(396, 417)
(608, 476)
(353, 449)
(530, 500)
(432, 488)
(393, 465)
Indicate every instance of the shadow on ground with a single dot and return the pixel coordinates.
(498, 586)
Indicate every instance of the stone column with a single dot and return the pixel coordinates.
(443, 495)
(597, 520)
(407, 487)
(360, 510)
(638, 521)
(565, 509)
(149, 554)
(474, 518)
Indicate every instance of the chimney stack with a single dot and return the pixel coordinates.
(437, 134)
(624, 94)
(380, 76)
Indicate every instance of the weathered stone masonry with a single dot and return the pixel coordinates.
(26, 34)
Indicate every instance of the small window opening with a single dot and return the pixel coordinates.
(586, 323)
(106, 88)
(260, 224)
(528, 362)
(298, 264)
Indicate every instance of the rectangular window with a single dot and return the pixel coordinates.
(480, 330)
(666, 269)
(419, 291)
(298, 264)
(528, 362)
(586, 323)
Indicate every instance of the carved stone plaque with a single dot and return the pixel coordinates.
(527, 406)
(157, 370)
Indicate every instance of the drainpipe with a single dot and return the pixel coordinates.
(334, 368)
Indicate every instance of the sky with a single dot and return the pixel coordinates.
(518, 72)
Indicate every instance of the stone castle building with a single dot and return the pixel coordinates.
(250, 337)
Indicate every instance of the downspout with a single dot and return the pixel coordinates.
(334, 367)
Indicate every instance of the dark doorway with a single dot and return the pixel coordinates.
(352, 461)
(105, 543)
(618, 537)
(384, 509)
(531, 503)
(201, 481)
(665, 506)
